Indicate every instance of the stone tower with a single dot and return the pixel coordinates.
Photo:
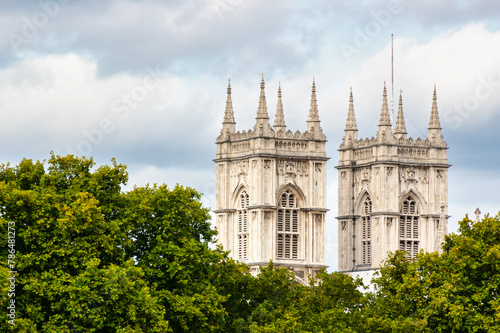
(271, 190)
(393, 190)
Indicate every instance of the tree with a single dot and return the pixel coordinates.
(169, 239)
(402, 289)
(456, 291)
(72, 272)
(273, 297)
(468, 300)
(91, 258)
(333, 303)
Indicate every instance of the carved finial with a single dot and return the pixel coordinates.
(279, 119)
(351, 118)
(262, 127)
(228, 124)
(229, 114)
(313, 123)
(262, 110)
(400, 130)
(384, 114)
(313, 110)
(434, 121)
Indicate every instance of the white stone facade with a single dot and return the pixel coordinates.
(271, 191)
(393, 191)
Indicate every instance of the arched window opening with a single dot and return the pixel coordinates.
(366, 233)
(243, 204)
(287, 227)
(409, 228)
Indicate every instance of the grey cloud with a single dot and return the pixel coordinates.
(187, 36)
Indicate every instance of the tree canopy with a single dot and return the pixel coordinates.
(85, 256)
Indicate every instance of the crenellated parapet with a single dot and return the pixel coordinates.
(418, 142)
(245, 135)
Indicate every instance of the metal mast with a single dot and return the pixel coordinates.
(392, 82)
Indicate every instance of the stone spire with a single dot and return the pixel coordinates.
(229, 114)
(262, 110)
(384, 125)
(313, 110)
(400, 131)
(228, 124)
(279, 119)
(434, 129)
(351, 118)
(313, 123)
(434, 122)
(262, 127)
(351, 129)
(384, 113)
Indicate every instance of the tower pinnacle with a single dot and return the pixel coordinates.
(351, 130)
(313, 123)
(229, 114)
(384, 126)
(279, 119)
(313, 110)
(262, 127)
(400, 130)
(434, 129)
(434, 122)
(262, 110)
(228, 124)
(351, 118)
(384, 114)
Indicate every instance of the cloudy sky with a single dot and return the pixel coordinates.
(145, 81)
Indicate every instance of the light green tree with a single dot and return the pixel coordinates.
(456, 291)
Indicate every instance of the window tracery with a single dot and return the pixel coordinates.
(409, 228)
(243, 203)
(366, 232)
(287, 227)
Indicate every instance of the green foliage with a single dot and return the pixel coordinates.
(469, 300)
(72, 272)
(333, 304)
(91, 258)
(456, 291)
(169, 236)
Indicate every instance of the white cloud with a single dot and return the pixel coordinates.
(458, 61)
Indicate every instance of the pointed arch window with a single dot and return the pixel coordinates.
(243, 203)
(409, 228)
(366, 232)
(287, 227)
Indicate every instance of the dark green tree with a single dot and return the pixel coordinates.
(333, 303)
(72, 272)
(169, 239)
(91, 258)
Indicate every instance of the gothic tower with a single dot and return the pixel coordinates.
(393, 190)
(271, 190)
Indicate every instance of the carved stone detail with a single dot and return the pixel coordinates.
(343, 225)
